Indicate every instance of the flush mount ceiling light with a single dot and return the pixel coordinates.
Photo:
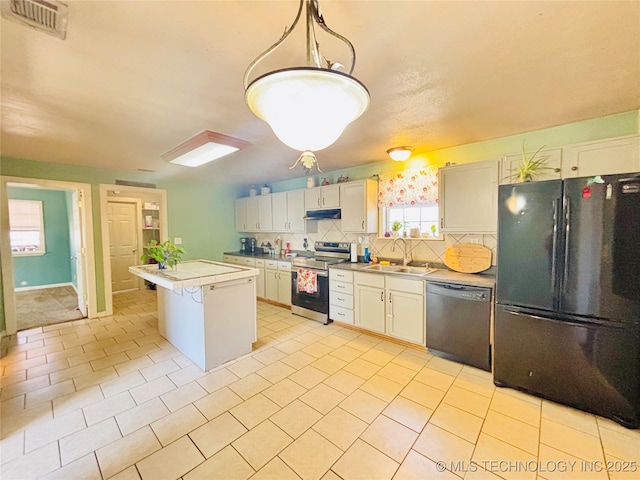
(307, 107)
(400, 154)
(204, 147)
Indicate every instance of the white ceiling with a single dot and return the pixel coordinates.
(135, 78)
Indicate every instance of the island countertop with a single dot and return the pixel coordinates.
(193, 273)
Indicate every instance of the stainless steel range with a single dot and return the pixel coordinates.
(310, 280)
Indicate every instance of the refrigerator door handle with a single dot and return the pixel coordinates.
(590, 322)
(567, 232)
(554, 253)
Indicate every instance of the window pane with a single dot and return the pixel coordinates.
(26, 226)
(25, 241)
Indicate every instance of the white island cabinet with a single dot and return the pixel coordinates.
(206, 309)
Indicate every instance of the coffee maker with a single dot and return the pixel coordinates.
(245, 245)
(253, 243)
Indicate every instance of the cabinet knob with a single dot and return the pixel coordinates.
(363, 224)
(557, 170)
(574, 168)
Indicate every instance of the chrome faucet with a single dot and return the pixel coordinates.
(405, 258)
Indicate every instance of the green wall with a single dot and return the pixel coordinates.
(54, 266)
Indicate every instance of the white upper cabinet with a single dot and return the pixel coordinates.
(553, 171)
(288, 211)
(319, 198)
(606, 157)
(265, 219)
(253, 214)
(241, 215)
(358, 202)
(469, 197)
(279, 211)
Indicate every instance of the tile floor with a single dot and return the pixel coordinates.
(46, 306)
(109, 398)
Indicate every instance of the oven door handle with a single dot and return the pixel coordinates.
(320, 273)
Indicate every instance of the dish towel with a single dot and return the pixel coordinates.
(307, 280)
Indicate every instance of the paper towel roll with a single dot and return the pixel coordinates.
(354, 253)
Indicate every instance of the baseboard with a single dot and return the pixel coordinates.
(42, 287)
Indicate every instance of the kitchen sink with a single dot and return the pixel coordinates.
(418, 271)
(382, 268)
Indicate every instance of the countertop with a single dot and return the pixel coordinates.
(447, 276)
(193, 274)
(266, 256)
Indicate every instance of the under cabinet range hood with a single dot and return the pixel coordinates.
(329, 214)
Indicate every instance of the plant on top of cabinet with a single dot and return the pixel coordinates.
(165, 253)
(530, 167)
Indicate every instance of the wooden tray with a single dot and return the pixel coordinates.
(467, 258)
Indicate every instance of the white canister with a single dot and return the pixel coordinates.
(266, 190)
(253, 191)
(354, 253)
(311, 182)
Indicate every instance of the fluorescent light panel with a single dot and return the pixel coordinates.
(204, 147)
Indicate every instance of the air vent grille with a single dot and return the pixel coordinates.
(47, 16)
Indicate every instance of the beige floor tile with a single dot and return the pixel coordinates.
(36, 464)
(585, 422)
(141, 415)
(133, 365)
(309, 377)
(70, 373)
(475, 384)
(329, 364)
(344, 382)
(12, 446)
(284, 392)
(123, 453)
(218, 402)
(346, 353)
(180, 397)
(510, 430)
(186, 375)
(521, 395)
(397, 373)
(76, 400)
(323, 398)
(377, 357)
(250, 385)
(445, 366)
(468, 401)
(254, 411)
(310, 466)
(171, 462)
(363, 343)
(517, 408)
(276, 469)
(382, 388)
(619, 469)
(31, 385)
(425, 395)
(334, 341)
(245, 367)
(295, 418)
(390, 347)
(159, 369)
(364, 462)
(122, 384)
(171, 427)
(499, 458)
(217, 434)
(363, 405)
(571, 441)
(299, 360)
(47, 394)
(457, 421)
(85, 468)
(130, 473)
(46, 368)
(259, 445)
(109, 361)
(408, 413)
(340, 427)
(226, 464)
(390, 437)
(95, 378)
(442, 446)
(411, 359)
(417, 467)
(558, 465)
(276, 371)
(109, 407)
(217, 380)
(362, 368)
(85, 441)
(616, 427)
(152, 389)
(269, 356)
(317, 350)
(478, 473)
(52, 430)
(621, 444)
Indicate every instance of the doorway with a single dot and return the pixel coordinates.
(56, 282)
(124, 242)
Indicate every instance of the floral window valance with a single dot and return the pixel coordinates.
(410, 187)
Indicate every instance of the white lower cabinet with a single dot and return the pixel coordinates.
(277, 276)
(341, 296)
(391, 305)
(260, 279)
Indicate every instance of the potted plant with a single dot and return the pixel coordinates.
(530, 167)
(395, 227)
(166, 254)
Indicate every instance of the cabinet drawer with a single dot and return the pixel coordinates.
(227, 258)
(340, 275)
(284, 265)
(405, 285)
(340, 287)
(339, 314)
(341, 299)
(249, 262)
(369, 279)
(260, 263)
(271, 264)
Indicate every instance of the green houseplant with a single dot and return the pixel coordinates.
(395, 227)
(531, 166)
(166, 254)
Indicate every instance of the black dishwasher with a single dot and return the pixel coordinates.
(458, 323)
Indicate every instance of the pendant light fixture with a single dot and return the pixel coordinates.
(307, 107)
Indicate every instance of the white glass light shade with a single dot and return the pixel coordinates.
(399, 154)
(307, 108)
(202, 148)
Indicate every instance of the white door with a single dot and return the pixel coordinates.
(370, 308)
(606, 157)
(353, 207)
(331, 196)
(295, 210)
(78, 251)
(405, 316)
(123, 244)
(271, 284)
(284, 287)
(265, 220)
(279, 209)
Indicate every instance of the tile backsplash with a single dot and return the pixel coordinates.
(420, 250)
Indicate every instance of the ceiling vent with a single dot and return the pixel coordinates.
(47, 16)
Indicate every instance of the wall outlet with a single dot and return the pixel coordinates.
(177, 241)
(477, 240)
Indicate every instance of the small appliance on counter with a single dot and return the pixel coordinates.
(253, 243)
(244, 245)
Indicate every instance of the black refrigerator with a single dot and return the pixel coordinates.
(567, 319)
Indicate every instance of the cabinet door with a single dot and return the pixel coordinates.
(295, 211)
(510, 165)
(469, 197)
(608, 157)
(353, 207)
(265, 220)
(241, 215)
(253, 218)
(279, 212)
(260, 291)
(284, 287)
(271, 284)
(406, 316)
(312, 199)
(330, 196)
(369, 304)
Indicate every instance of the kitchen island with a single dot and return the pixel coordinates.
(206, 309)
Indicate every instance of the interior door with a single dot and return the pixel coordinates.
(77, 251)
(123, 248)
